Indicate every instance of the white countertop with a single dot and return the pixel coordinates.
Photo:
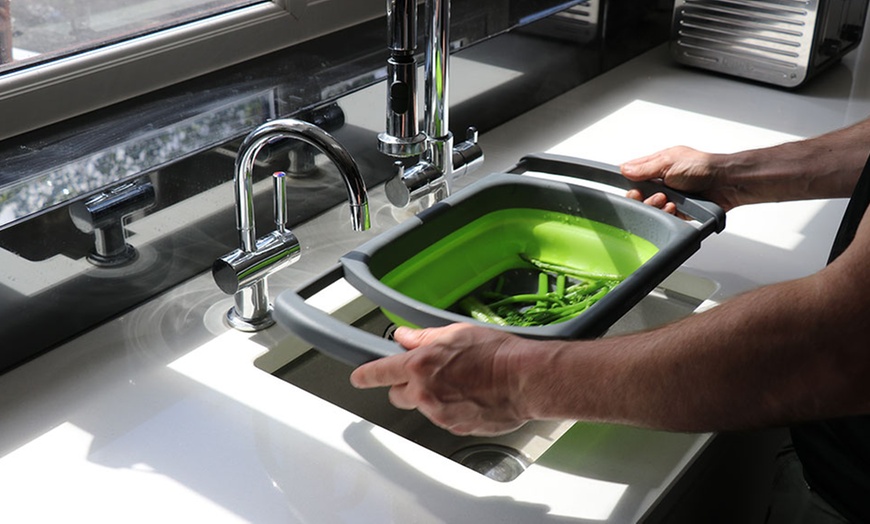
(161, 414)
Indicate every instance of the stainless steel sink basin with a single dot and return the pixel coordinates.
(478, 239)
(501, 458)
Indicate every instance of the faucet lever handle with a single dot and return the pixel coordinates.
(279, 183)
(400, 168)
(412, 184)
(471, 134)
(103, 216)
(467, 155)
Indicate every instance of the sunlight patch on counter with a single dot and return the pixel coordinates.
(43, 482)
(646, 127)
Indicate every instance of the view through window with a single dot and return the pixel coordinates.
(33, 31)
(64, 58)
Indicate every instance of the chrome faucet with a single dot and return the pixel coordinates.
(242, 273)
(439, 162)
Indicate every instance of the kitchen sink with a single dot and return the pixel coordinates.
(501, 458)
(481, 238)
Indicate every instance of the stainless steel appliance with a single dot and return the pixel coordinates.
(781, 42)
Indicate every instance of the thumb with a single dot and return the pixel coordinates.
(409, 338)
(644, 168)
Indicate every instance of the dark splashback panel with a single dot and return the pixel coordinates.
(182, 141)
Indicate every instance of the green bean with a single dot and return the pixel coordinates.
(543, 286)
(481, 312)
(566, 301)
(560, 284)
(570, 271)
(539, 299)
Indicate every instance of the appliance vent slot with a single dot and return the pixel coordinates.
(775, 32)
(582, 12)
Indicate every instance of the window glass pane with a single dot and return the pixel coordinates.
(33, 31)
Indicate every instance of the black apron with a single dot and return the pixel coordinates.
(836, 453)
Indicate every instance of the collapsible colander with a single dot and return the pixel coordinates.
(417, 271)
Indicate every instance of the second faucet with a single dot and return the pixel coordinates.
(440, 162)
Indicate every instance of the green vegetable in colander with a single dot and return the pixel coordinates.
(546, 306)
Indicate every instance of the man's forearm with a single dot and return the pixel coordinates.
(826, 166)
(780, 354)
(784, 353)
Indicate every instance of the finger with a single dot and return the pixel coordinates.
(458, 418)
(634, 194)
(398, 396)
(661, 201)
(488, 429)
(658, 200)
(466, 418)
(415, 338)
(386, 371)
(634, 163)
(407, 337)
(644, 168)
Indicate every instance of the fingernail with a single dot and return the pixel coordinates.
(354, 381)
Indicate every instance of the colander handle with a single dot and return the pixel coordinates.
(709, 214)
(329, 335)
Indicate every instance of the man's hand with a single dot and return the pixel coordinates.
(684, 169)
(459, 376)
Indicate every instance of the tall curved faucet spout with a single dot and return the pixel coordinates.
(243, 272)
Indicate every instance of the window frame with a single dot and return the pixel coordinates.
(47, 93)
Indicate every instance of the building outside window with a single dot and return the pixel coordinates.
(62, 58)
(42, 30)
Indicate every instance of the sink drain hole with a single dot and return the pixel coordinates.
(497, 462)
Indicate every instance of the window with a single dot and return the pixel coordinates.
(61, 58)
(44, 30)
